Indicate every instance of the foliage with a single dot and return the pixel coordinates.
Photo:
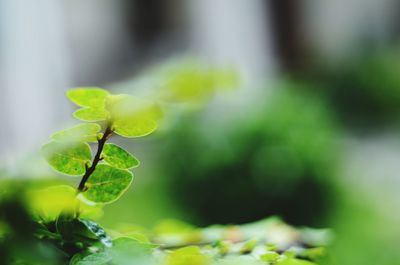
(283, 153)
(55, 225)
(366, 92)
(83, 242)
(105, 176)
(184, 82)
(194, 83)
(60, 213)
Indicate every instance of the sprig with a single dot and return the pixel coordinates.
(107, 175)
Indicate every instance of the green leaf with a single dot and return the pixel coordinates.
(124, 251)
(97, 231)
(130, 251)
(112, 101)
(125, 106)
(91, 114)
(241, 260)
(107, 184)
(270, 257)
(187, 255)
(132, 117)
(118, 157)
(69, 158)
(127, 244)
(132, 127)
(248, 246)
(294, 261)
(43, 232)
(47, 204)
(81, 132)
(101, 258)
(187, 81)
(84, 231)
(88, 97)
(314, 253)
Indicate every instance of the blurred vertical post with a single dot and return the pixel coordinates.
(288, 31)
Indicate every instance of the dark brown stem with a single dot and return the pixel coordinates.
(97, 158)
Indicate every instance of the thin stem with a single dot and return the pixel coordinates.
(97, 158)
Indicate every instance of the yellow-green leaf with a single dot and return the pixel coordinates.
(118, 157)
(193, 82)
(88, 97)
(87, 132)
(112, 101)
(67, 157)
(98, 258)
(132, 127)
(107, 184)
(270, 256)
(132, 117)
(188, 255)
(91, 114)
(48, 203)
(294, 261)
(123, 105)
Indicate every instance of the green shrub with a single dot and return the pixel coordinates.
(365, 93)
(55, 225)
(278, 159)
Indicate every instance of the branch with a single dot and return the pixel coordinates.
(97, 158)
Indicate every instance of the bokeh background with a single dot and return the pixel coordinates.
(306, 127)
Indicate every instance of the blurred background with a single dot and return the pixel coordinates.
(288, 108)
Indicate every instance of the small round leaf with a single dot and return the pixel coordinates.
(98, 258)
(87, 132)
(69, 158)
(132, 117)
(91, 114)
(107, 184)
(118, 157)
(132, 127)
(48, 203)
(88, 97)
(187, 255)
(83, 231)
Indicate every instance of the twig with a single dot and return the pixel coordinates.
(97, 158)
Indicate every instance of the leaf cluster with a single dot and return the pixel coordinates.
(62, 224)
(83, 150)
(106, 175)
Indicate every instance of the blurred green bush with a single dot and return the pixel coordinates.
(366, 92)
(277, 159)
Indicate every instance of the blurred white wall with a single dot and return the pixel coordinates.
(97, 39)
(46, 47)
(34, 69)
